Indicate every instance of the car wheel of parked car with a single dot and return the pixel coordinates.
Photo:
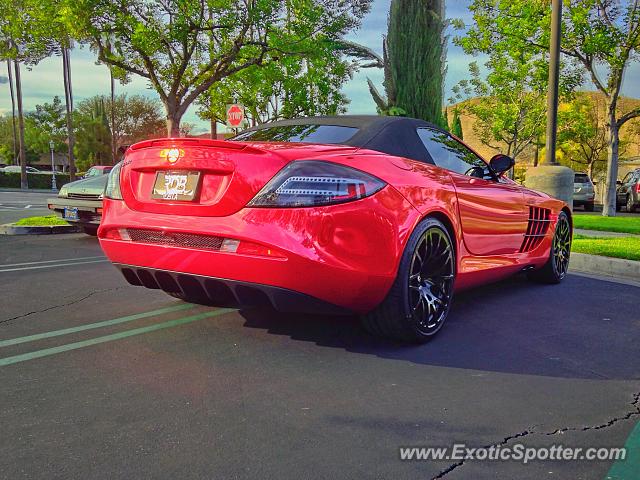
(630, 206)
(418, 303)
(90, 230)
(556, 267)
(588, 207)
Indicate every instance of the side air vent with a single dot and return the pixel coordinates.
(536, 228)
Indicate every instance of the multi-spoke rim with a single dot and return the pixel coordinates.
(431, 276)
(562, 246)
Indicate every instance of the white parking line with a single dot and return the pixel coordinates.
(73, 259)
(4, 270)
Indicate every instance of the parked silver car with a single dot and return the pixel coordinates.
(583, 192)
(628, 191)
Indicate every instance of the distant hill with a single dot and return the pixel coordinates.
(630, 133)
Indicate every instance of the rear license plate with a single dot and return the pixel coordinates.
(181, 186)
(71, 213)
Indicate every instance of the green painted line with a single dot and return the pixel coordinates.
(109, 338)
(629, 468)
(90, 326)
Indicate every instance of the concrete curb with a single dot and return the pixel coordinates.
(605, 266)
(603, 234)
(9, 229)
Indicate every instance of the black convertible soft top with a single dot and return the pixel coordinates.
(393, 135)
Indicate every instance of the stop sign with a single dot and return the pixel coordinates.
(235, 115)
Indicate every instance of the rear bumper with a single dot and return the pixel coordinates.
(344, 255)
(223, 292)
(583, 197)
(89, 211)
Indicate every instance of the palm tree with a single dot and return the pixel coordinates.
(13, 112)
(68, 96)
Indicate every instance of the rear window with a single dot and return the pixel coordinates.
(300, 133)
(581, 178)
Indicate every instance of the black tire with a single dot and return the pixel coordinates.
(588, 207)
(90, 230)
(556, 267)
(419, 300)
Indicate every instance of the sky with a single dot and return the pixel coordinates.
(45, 80)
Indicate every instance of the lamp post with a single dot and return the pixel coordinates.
(54, 187)
(551, 177)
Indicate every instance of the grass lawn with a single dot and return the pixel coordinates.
(619, 247)
(607, 224)
(49, 220)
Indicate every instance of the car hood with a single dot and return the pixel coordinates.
(88, 185)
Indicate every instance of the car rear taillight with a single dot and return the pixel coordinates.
(311, 183)
(638, 187)
(112, 190)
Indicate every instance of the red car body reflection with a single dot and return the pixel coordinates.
(340, 257)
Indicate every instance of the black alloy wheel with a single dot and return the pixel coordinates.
(557, 265)
(431, 280)
(419, 300)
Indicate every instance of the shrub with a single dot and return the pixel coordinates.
(34, 180)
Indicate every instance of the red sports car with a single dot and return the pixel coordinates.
(385, 217)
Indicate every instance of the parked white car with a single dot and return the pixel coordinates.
(16, 169)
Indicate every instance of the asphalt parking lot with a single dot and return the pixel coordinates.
(15, 204)
(99, 379)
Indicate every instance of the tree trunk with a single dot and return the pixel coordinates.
(536, 156)
(13, 113)
(214, 129)
(68, 96)
(23, 152)
(609, 207)
(114, 140)
(173, 126)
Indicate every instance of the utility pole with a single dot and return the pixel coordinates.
(551, 177)
(554, 80)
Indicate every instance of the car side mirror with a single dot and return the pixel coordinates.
(618, 182)
(501, 163)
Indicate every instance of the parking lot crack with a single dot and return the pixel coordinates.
(635, 411)
(61, 305)
(504, 441)
(635, 404)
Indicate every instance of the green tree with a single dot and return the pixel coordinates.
(456, 125)
(183, 48)
(135, 118)
(48, 122)
(22, 41)
(413, 60)
(582, 134)
(509, 106)
(287, 89)
(416, 45)
(94, 137)
(602, 37)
